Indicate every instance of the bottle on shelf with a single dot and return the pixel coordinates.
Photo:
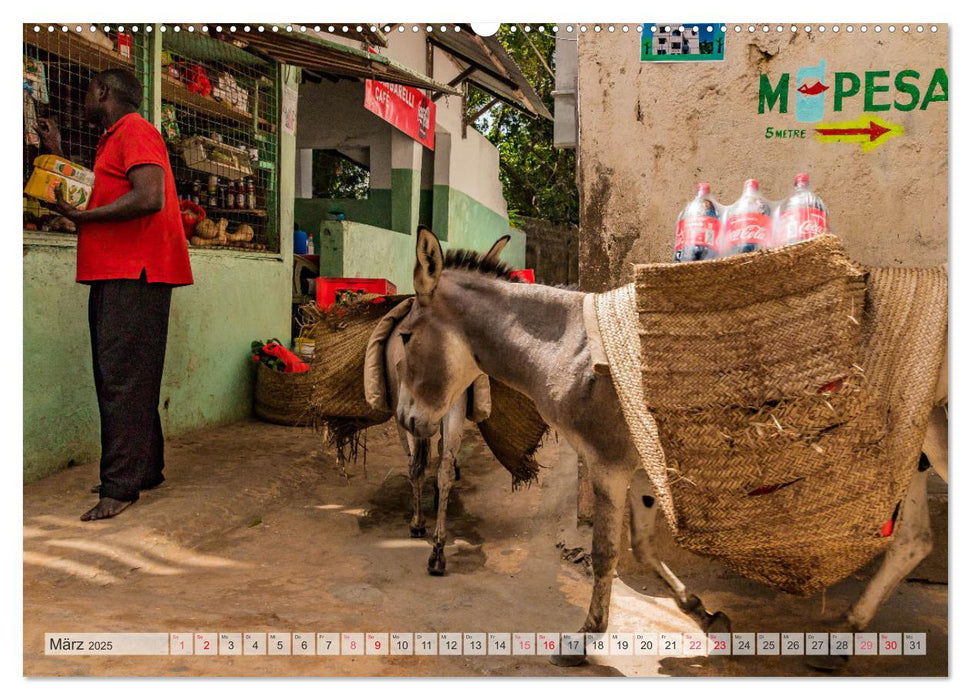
(250, 194)
(240, 196)
(212, 192)
(223, 194)
(231, 195)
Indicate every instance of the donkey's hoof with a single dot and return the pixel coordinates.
(417, 532)
(436, 562)
(692, 603)
(570, 660)
(717, 622)
(829, 663)
(436, 569)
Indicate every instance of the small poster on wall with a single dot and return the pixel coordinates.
(289, 110)
(663, 42)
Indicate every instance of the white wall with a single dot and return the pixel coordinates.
(332, 115)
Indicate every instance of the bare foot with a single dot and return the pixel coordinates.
(106, 508)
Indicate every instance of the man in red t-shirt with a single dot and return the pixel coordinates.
(131, 251)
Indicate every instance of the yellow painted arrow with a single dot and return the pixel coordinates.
(868, 130)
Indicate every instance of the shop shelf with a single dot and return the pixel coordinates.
(72, 47)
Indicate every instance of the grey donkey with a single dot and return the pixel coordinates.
(468, 319)
(384, 355)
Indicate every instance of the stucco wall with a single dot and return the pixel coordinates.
(649, 132)
(236, 298)
(351, 249)
(332, 115)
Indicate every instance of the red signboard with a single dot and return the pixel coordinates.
(405, 108)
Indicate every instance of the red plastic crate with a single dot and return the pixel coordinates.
(526, 275)
(329, 287)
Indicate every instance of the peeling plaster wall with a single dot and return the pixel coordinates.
(650, 132)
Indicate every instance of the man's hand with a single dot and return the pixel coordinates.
(50, 135)
(65, 208)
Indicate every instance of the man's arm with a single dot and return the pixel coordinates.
(147, 196)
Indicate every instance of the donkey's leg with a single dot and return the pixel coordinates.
(417, 461)
(913, 542)
(935, 441)
(609, 492)
(643, 521)
(450, 441)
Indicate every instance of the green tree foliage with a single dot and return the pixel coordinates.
(538, 180)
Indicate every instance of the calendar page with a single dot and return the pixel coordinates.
(327, 367)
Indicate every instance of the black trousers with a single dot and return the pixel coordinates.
(129, 322)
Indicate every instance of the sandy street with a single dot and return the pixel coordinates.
(255, 531)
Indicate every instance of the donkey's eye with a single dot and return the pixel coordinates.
(405, 337)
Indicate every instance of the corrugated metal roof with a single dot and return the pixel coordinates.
(309, 50)
(495, 71)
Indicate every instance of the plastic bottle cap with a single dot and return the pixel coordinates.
(752, 184)
(802, 179)
(704, 187)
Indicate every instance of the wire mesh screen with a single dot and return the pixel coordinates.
(219, 110)
(219, 116)
(58, 65)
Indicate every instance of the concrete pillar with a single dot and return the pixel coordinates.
(405, 182)
(440, 196)
(305, 173)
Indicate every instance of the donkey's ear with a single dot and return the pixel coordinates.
(429, 262)
(496, 250)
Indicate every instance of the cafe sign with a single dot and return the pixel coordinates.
(405, 108)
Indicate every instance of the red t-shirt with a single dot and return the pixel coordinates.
(154, 243)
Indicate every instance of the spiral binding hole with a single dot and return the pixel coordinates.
(527, 28)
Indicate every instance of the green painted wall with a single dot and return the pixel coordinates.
(350, 249)
(405, 198)
(374, 252)
(426, 208)
(374, 211)
(236, 298)
(355, 248)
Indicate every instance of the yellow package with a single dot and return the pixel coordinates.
(64, 167)
(51, 173)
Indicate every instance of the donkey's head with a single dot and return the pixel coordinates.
(439, 361)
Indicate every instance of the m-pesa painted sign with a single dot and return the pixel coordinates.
(815, 93)
(405, 108)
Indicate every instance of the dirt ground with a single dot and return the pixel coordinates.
(255, 531)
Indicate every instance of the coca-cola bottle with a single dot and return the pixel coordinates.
(748, 223)
(697, 228)
(802, 215)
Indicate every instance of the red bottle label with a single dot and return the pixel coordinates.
(701, 230)
(747, 228)
(802, 224)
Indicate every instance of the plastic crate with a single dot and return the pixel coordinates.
(527, 275)
(215, 158)
(328, 288)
